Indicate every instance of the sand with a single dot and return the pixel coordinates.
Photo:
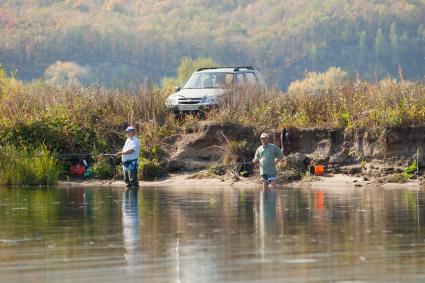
(338, 181)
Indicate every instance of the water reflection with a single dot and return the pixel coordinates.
(211, 235)
(131, 229)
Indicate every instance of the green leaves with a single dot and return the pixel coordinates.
(27, 166)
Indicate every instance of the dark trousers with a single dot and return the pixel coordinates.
(130, 173)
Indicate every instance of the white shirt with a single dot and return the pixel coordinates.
(131, 143)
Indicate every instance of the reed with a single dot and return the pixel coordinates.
(28, 166)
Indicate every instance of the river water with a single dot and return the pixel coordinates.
(211, 235)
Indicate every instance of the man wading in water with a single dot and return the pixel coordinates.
(130, 158)
(268, 155)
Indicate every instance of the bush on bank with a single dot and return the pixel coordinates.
(150, 170)
(104, 168)
(27, 166)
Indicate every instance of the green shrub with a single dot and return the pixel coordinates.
(344, 119)
(216, 169)
(26, 166)
(104, 168)
(150, 170)
(152, 153)
(410, 171)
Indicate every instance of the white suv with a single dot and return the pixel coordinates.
(204, 87)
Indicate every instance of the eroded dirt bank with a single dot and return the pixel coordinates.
(379, 154)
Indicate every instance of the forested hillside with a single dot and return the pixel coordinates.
(118, 41)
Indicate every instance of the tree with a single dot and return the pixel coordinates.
(362, 48)
(314, 82)
(379, 44)
(63, 73)
(395, 48)
(313, 56)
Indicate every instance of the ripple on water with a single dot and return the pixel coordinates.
(15, 241)
(300, 260)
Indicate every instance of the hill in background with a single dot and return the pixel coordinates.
(114, 42)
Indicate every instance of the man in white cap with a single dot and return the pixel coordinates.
(268, 155)
(130, 157)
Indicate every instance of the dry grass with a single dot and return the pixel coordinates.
(91, 119)
(351, 104)
(91, 116)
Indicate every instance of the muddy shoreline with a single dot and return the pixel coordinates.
(331, 181)
(377, 157)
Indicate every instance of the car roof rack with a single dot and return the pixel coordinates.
(234, 68)
(243, 67)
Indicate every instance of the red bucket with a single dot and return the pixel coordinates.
(319, 170)
(77, 170)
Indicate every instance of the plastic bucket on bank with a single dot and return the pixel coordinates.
(77, 170)
(319, 170)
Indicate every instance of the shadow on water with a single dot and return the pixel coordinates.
(211, 235)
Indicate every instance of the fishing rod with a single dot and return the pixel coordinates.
(236, 164)
(87, 154)
(66, 155)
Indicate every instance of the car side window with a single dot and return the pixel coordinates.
(240, 79)
(228, 79)
(250, 78)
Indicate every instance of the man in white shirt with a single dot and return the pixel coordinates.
(130, 158)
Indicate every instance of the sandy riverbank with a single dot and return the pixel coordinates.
(336, 181)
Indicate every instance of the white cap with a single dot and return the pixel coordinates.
(130, 128)
(264, 136)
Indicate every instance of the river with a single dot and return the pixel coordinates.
(211, 235)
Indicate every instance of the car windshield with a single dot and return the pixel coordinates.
(210, 80)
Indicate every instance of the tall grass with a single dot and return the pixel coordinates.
(72, 119)
(28, 167)
(350, 104)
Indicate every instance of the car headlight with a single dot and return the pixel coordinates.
(208, 100)
(171, 101)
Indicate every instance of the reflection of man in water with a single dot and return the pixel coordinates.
(266, 218)
(131, 229)
(268, 200)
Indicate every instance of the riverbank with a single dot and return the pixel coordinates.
(378, 137)
(334, 181)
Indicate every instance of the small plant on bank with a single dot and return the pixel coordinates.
(216, 169)
(150, 170)
(236, 151)
(344, 120)
(410, 171)
(152, 153)
(104, 168)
